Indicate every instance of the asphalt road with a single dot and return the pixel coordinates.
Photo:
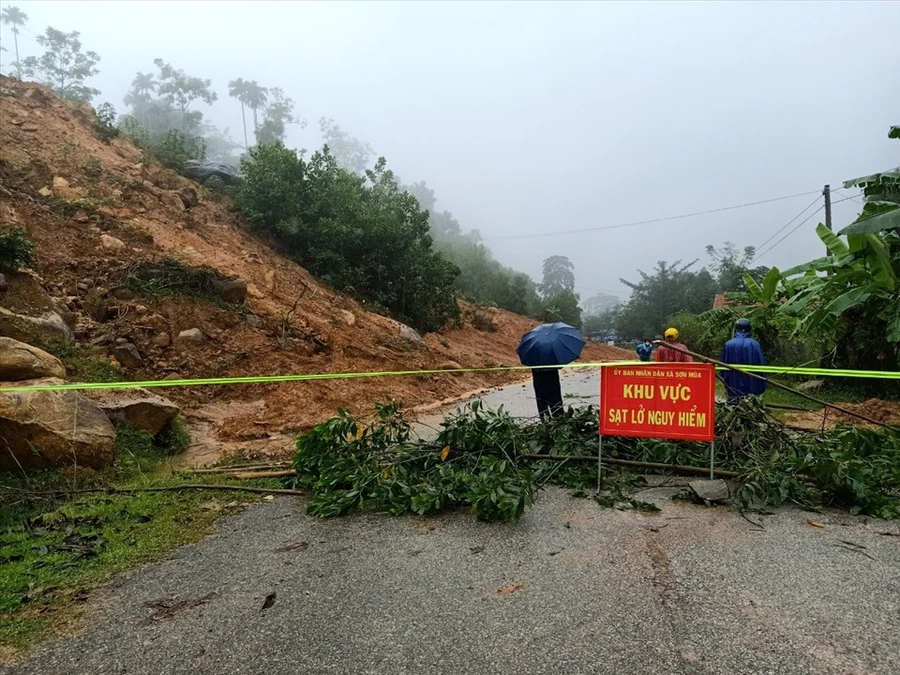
(571, 588)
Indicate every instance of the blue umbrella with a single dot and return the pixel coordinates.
(550, 344)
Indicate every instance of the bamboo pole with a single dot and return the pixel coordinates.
(674, 468)
(802, 394)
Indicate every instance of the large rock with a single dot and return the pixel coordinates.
(191, 336)
(172, 200)
(408, 333)
(52, 428)
(50, 324)
(189, 197)
(110, 243)
(230, 290)
(136, 407)
(128, 355)
(20, 361)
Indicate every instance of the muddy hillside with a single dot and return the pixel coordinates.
(118, 235)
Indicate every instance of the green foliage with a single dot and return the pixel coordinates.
(180, 90)
(359, 233)
(63, 67)
(172, 148)
(278, 113)
(351, 154)
(730, 266)
(174, 438)
(347, 465)
(105, 126)
(475, 460)
(559, 276)
(670, 289)
(16, 251)
(169, 277)
(562, 307)
(81, 365)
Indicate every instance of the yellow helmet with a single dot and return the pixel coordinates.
(671, 334)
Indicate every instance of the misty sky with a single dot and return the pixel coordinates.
(542, 117)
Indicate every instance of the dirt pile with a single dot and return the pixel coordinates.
(100, 214)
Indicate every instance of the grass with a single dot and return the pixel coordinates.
(81, 365)
(171, 278)
(55, 548)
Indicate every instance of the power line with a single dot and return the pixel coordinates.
(794, 229)
(789, 223)
(653, 220)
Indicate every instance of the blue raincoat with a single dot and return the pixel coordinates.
(742, 350)
(644, 350)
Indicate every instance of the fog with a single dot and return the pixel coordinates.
(535, 118)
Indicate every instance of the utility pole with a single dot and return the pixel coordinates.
(826, 192)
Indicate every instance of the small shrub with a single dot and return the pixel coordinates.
(105, 126)
(174, 438)
(16, 251)
(81, 365)
(91, 167)
(170, 277)
(483, 321)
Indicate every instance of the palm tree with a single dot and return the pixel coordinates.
(238, 89)
(144, 84)
(15, 17)
(256, 98)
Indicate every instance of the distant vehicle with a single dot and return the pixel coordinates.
(201, 171)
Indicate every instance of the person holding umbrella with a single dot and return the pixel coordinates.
(553, 345)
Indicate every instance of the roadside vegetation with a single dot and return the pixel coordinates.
(63, 532)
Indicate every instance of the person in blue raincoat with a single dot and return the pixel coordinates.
(742, 350)
(645, 350)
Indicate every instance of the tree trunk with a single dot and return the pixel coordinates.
(244, 121)
(255, 127)
(18, 63)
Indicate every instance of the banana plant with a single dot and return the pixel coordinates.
(858, 280)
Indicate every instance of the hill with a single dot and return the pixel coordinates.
(123, 247)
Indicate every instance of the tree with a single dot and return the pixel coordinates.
(563, 307)
(350, 153)
(140, 97)
(238, 89)
(63, 67)
(361, 233)
(256, 97)
(15, 17)
(729, 266)
(598, 304)
(559, 276)
(278, 113)
(180, 89)
(670, 289)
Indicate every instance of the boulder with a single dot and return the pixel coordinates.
(348, 317)
(230, 290)
(111, 243)
(408, 333)
(45, 192)
(191, 336)
(52, 428)
(128, 355)
(138, 408)
(60, 183)
(171, 199)
(189, 197)
(50, 324)
(709, 490)
(162, 340)
(20, 361)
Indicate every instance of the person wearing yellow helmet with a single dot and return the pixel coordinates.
(667, 355)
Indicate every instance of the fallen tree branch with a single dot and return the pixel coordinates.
(674, 468)
(239, 467)
(169, 488)
(252, 475)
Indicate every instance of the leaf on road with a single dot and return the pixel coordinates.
(476, 549)
(269, 601)
(445, 452)
(509, 589)
(296, 546)
(815, 524)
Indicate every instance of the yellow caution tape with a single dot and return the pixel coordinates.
(271, 379)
